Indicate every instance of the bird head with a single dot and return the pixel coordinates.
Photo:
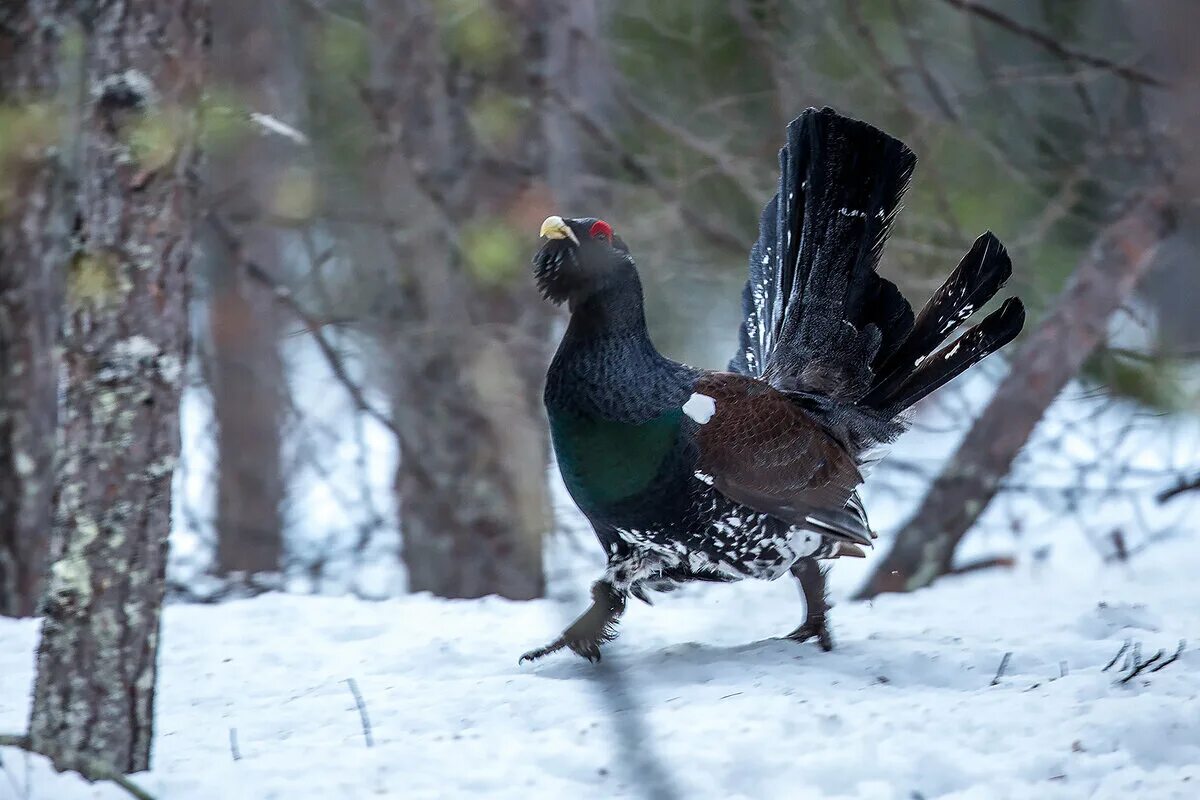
(579, 257)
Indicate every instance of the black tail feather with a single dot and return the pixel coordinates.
(997, 329)
(980, 274)
(812, 270)
(819, 323)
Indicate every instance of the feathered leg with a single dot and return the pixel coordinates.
(812, 585)
(594, 627)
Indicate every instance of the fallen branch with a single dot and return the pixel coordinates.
(1154, 661)
(1117, 657)
(1179, 488)
(89, 769)
(995, 562)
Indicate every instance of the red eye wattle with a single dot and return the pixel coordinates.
(600, 230)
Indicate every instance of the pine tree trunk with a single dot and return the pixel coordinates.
(473, 341)
(124, 350)
(1047, 360)
(253, 63)
(33, 237)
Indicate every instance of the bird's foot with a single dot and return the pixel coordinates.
(597, 626)
(814, 627)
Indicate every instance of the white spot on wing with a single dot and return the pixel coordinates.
(700, 407)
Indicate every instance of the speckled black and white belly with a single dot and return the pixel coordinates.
(717, 539)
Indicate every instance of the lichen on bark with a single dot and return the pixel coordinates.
(32, 245)
(124, 348)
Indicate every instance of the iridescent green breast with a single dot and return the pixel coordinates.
(603, 461)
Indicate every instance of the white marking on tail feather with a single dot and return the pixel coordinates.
(700, 407)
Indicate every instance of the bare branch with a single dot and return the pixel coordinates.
(633, 165)
(1189, 485)
(1052, 45)
(314, 326)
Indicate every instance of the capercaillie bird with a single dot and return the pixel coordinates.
(689, 474)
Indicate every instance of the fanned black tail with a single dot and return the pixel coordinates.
(914, 370)
(818, 320)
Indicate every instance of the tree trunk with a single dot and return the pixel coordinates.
(124, 350)
(253, 62)
(1044, 364)
(33, 236)
(470, 355)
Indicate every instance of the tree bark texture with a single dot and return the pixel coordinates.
(1047, 360)
(254, 63)
(471, 148)
(33, 238)
(124, 350)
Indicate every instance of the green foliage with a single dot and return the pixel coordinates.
(1148, 380)
(496, 119)
(155, 136)
(26, 130)
(224, 121)
(474, 31)
(342, 48)
(494, 251)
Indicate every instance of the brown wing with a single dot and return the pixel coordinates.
(765, 451)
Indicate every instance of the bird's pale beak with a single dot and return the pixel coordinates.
(556, 228)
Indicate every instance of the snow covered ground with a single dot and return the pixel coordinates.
(696, 699)
(695, 696)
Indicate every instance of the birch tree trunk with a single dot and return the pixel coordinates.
(125, 343)
(33, 237)
(470, 352)
(1047, 360)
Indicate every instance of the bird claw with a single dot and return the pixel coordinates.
(813, 627)
(580, 647)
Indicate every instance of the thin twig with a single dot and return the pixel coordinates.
(714, 233)
(1140, 668)
(1052, 45)
(362, 711)
(1183, 486)
(1173, 658)
(90, 769)
(1003, 666)
(314, 326)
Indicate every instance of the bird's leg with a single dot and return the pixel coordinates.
(594, 627)
(812, 585)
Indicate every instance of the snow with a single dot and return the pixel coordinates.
(903, 708)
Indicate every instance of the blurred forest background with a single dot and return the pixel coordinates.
(426, 140)
(326, 210)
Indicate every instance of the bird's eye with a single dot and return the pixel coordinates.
(601, 231)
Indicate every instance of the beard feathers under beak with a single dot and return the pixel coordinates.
(556, 228)
(551, 265)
